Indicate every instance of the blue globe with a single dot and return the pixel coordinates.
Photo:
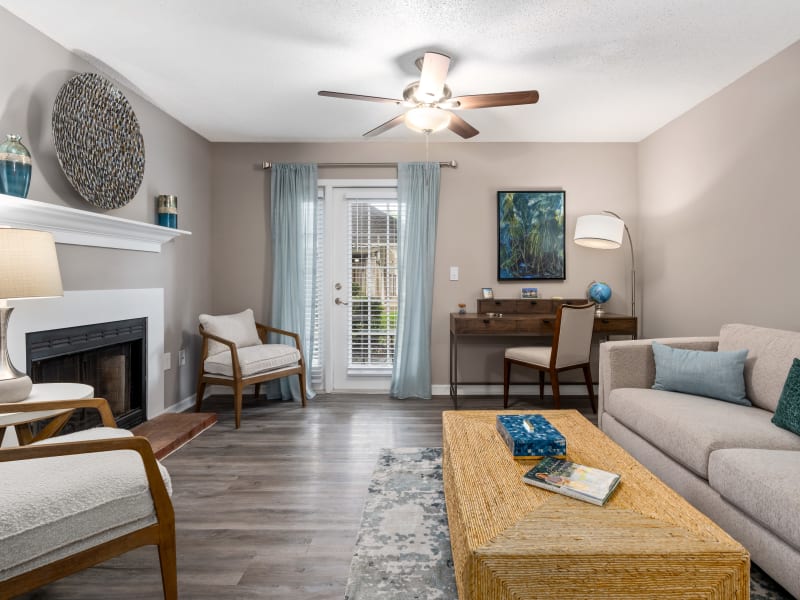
(599, 291)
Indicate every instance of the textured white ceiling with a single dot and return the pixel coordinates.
(249, 70)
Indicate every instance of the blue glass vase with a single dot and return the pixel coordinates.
(15, 167)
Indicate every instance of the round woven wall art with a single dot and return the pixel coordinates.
(98, 142)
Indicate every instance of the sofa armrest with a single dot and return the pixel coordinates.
(630, 363)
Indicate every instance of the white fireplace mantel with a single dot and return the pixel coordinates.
(84, 228)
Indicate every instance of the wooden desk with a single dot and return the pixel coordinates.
(530, 324)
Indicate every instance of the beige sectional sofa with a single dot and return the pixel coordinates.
(728, 460)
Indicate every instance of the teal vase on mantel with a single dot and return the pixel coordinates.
(15, 167)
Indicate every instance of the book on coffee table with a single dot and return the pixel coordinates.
(573, 480)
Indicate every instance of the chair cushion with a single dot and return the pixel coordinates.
(254, 360)
(57, 506)
(717, 375)
(535, 355)
(762, 484)
(239, 328)
(689, 428)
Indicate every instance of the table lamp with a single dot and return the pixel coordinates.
(28, 269)
(605, 231)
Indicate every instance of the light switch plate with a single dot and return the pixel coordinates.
(166, 361)
(453, 273)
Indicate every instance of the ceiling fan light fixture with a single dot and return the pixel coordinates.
(427, 119)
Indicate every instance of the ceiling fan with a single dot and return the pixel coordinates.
(431, 100)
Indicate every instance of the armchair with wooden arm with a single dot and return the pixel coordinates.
(74, 501)
(245, 357)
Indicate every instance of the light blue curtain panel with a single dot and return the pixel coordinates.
(293, 206)
(418, 199)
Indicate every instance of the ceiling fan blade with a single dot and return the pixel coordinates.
(432, 77)
(501, 99)
(386, 126)
(358, 97)
(461, 127)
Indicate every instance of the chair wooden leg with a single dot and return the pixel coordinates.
(237, 403)
(302, 377)
(169, 567)
(201, 389)
(541, 385)
(587, 375)
(554, 385)
(506, 377)
(257, 392)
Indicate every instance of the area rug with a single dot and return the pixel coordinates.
(403, 546)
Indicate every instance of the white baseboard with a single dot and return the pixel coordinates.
(181, 406)
(441, 389)
(516, 390)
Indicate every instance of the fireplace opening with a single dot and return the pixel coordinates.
(110, 357)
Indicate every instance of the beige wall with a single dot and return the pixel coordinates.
(595, 177)
(177, 162)
(719, 193)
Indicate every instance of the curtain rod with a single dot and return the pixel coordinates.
(450, 163)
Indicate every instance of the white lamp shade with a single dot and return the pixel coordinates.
(28, 264)
(427, 119)
(599, 231)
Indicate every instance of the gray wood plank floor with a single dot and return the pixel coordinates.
(272, 510)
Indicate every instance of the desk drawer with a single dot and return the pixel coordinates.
(615, 326)
(534, 306)
(502, 306)
(485, 325)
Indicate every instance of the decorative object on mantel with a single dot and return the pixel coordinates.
(98, 142)
(167, 211)
(15, 167)
(28, 269)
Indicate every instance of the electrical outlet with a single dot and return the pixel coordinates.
(182, 357)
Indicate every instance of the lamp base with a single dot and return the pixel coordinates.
(16, 389)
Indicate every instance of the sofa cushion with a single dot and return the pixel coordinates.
(787, 415)
(688, 428)
(763, 484)
(717, 375)
(239, 328)
(54, 507)
(771, 352)
(254, 359)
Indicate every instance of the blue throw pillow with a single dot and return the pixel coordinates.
(787, 415)
(717, 375)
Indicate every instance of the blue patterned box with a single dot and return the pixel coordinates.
(543, 440)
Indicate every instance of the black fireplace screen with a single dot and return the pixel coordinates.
(110, 357)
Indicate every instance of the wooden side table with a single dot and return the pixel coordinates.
(44, 392)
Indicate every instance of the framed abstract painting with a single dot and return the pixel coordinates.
(530, 235)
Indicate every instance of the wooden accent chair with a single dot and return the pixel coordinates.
(76, 500)
(235, 353)
(572, 344)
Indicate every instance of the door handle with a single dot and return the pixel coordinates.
(340, 301)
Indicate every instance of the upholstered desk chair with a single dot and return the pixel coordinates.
(235, 353)
(74, 501)
(572, 344)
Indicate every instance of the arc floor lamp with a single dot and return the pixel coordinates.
(606, 231)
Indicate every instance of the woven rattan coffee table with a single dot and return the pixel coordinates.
(512, 540)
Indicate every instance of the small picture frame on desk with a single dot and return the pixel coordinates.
(529, 293)
(487, 293)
